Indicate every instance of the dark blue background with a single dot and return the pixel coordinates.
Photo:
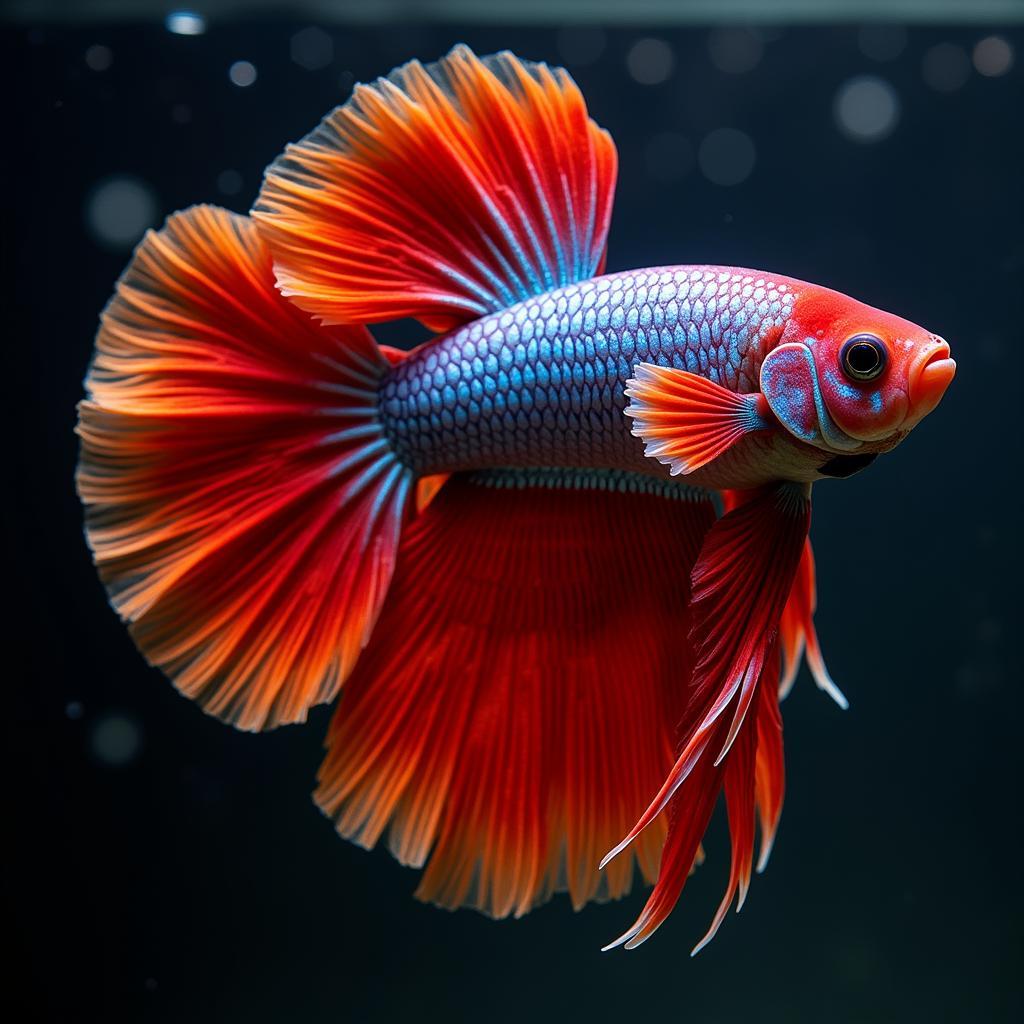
(199, 883)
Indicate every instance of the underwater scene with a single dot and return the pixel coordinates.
(416, 615)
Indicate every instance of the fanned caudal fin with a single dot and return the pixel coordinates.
(519, 705)
(800, 638)
(739, 587)
(242, 503)
(442, 192)
(686, 420)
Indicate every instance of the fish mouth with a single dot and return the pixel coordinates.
(930, 375)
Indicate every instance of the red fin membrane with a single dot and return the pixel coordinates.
(799, 636)
(519, 707)
(241, 502)
(740, 584)
(686, 420)
(442, 192)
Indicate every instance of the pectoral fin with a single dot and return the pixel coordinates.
(686, 420)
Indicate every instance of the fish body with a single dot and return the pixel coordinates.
(557, 555)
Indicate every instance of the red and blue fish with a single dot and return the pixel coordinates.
(554, 560)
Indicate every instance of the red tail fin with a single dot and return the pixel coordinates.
(242, 503)
(516, 709)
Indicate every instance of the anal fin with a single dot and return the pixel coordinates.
(516, 705)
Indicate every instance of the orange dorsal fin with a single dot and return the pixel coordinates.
(442, 192)
(686, 420)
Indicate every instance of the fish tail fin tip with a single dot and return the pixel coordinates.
(442, 192)
(242, 503)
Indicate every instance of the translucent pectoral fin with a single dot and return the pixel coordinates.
(686, 420)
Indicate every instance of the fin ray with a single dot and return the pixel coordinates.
(443, 192)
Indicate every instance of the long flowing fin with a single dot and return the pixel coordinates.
(242, 503)
(442, 192)
(740, 584)
(800, 638)
(686, 420)
(520, 704)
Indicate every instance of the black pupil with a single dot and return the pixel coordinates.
(863, 357)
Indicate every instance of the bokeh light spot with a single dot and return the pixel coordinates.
(229, 182)
(668, 156)
(650, 61)
(735, 50)
(116, 739)
(866, 108)
(242, 73)
(98, 57)
(119, 210)
(312, 48)
(580, 45)
(882, 42)
(993, 56)
(727, 156)
(185, 23)
(946, 67)
(74, 710)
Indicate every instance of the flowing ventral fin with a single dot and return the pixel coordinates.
(740, 584)
(686, 420)
(242, 503)
(800, 638)
(517, 707)
(442, 192)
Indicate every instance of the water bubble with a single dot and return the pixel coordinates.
(116, 739)
(242, 73)
(882, 42)
(993, 56)
(727, 156)
(735, 50)
(650, 61)
(185, 23)
(668, 156)
(946, 67)
(866, 108)
(119, 210)
(580, 45)
(229, 182)
(312, 48)
(98, 57)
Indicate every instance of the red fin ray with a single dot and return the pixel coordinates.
(442, 192)
(241, 502)
(518, 709)
(739, 587)
(800, 638)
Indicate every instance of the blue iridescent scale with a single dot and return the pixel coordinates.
(542, 383)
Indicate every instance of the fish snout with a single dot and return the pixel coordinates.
(930, 374)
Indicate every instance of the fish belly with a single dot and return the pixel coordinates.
(542, 383)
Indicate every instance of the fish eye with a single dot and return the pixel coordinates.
(863, 357)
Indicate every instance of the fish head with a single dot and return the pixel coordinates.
(850, 378)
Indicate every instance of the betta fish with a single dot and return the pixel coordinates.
(555, 559)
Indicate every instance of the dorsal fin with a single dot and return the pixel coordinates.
(442, 192)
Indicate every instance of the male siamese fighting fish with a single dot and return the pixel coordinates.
(555, 560)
